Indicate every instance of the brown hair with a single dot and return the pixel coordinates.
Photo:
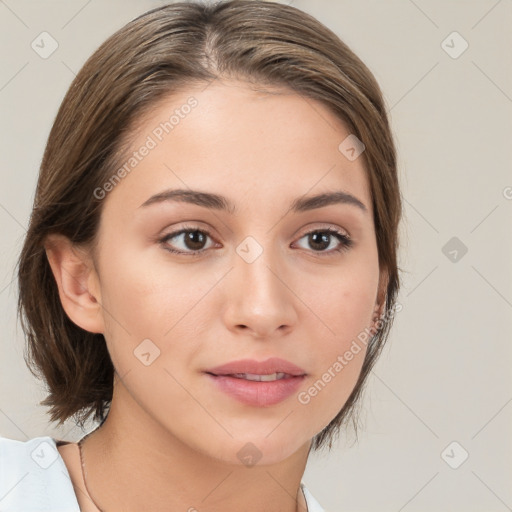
(153, 56)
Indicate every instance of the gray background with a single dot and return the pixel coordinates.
(445, 374)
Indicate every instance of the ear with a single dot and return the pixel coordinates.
(78, 282)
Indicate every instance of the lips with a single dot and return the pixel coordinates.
(258, 383)
(274, 365)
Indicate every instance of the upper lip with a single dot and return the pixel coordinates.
(267, 367)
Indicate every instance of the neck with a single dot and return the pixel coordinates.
(133, 463)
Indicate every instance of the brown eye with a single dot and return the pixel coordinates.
(321, 239)
(192, 241)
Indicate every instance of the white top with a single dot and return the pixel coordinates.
(34, 478)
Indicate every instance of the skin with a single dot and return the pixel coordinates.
(171, 439)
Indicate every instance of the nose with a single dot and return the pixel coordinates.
(260, 296)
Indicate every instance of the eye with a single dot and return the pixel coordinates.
(321, 239)
(192, 238)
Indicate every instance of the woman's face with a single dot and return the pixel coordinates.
(267, 281)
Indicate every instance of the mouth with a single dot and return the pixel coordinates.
(257, 390)
(259, 384)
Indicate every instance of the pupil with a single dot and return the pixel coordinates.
(191, 238)
(324, 239)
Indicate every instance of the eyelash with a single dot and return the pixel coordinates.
(345, 242)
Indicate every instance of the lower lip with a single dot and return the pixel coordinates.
(257, 393)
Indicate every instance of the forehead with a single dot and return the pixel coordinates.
(269, 145)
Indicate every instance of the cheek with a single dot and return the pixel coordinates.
(342, 309)
(145, 299)
(338, 356)
(143, 293)
(344, 302)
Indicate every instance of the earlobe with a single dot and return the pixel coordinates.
(75, 277)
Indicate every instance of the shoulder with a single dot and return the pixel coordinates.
(33, 477)
(313, 505)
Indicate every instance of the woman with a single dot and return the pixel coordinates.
(211, 263)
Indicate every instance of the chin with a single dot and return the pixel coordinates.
(258, 450)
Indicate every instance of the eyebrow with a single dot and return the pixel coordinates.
(221, 203)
